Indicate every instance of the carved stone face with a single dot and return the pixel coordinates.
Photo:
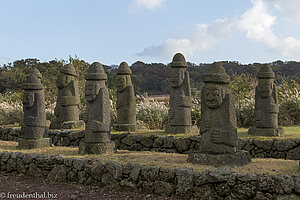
(63, 80)
(265, 87)
(177, 77)
(121, 82)
(92, 89)
(28, 99)
(213, 95)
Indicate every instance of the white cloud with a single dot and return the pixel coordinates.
(290, 8)
(256, 22)
(149, 4)
(203, 38)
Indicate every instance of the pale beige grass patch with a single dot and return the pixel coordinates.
(165, 160)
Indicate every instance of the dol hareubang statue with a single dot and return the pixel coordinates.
(218, 129)
(97, 117)
(126, 104)
(68, 99)
(180, 120)
(266, 105)
(34, 122)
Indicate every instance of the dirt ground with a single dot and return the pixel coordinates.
(12, 185)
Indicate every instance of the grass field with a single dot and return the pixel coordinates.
(165, 160)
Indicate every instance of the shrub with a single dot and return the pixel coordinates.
(289, 98)
(152, 114)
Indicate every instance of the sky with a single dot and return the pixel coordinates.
(151, 31)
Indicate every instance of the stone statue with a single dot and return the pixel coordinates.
(34, 122)
(37, 73)
(266, 105)
(218, 129)
(97, 116)
(126, 104)
(179, 116)
(68, 99)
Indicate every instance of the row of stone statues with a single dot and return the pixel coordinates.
(218, 129)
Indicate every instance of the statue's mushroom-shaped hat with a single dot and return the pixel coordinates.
(216, 74)
(96, 72)
(178, 61)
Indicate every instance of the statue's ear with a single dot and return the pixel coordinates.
(274, 94)
(97, 88)
(223, 93)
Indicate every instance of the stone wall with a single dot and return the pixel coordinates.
(220, 183)
(284, 149)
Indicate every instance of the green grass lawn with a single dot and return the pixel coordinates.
(291, 132)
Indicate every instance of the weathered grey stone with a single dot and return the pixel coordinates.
(68, 162)
(97, 117)
(135, 172)
(293, 154)
(127, 168)
(263, 196)
(129, 185)
(284, 145)
(266, 105)
(166, 175)
(34, 143)
(218, 129)
(158, 142)
(201, 178)
(97, 148)
(244, 191)
(27, 159)
(147, 187)
(182, 144)
(68, 99)
(136, 147)
(264, 144)
(97, 171)
(239, 158)
(267, 184)
(73, 175)
(163, 188)
(149, 173)
(11, 165)
(128, 140)
(79, 163)
(147, 142)
(126, 105)
(220, 174)
(218, 120)
(59, 173)
(5, 156)
(179, 116)
(184, 181)
(108, 180)
(82, 176)
(287, 183)
(222, 189)
(34, 122)
(288, 197)
(115, 169)
(21, 166)
(168, 142)
(204, 193)
(90, 181)
(246, 177)
(297, 184)
(33, 170)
